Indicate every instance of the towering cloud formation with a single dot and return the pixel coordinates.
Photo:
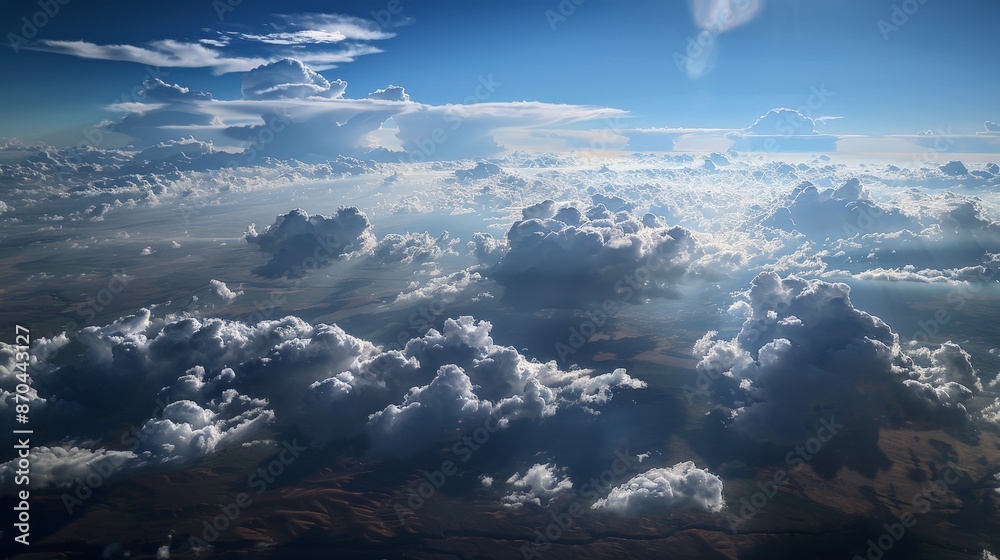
(562, 256)
(299, 242)
(289, 78)
(805, 354)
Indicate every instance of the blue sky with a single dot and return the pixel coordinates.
(937, 71)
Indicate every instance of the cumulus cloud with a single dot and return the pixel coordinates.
(299, 243)
(184, 149)
(187, 430)
(991, 413)
(948, 363)
(464, 284)
(447, 382)
(390, 93)
(223, 291)
(539, 483)
(413, 248)
(805, 353)
(62, 466)
(560, 256)
(127, 365)
(665, 489)
(289, 79)
(183, 387)
(843, 212)
(782, 130)
(188, 386)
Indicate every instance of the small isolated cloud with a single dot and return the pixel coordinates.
(223, 291)
(299, 243)
(991, 127)
(390, 93)
(541, 482)
(782, 130)
(289, 79)
(666, 489)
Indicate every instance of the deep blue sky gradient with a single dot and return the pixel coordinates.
(938, 71)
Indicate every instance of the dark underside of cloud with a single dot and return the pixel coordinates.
(564, 256)
(299, 243)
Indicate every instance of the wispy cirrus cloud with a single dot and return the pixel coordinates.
(323, 41)
(167, 53)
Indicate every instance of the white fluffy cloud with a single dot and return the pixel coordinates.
(212, 380)
(539, 483)
(413, 248)
(784, 130)
(289, 79)
(299, 242)
(665, 489)
(805, 352)
(223, 291)
(560, 256)
(63, 466)
(390, 93)
(447, 382)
